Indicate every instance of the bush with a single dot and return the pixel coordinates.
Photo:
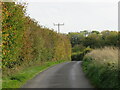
(78, 56)
(102, 68)
(25, 43)
(78, 48)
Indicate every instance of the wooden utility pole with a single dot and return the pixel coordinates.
(58, 26)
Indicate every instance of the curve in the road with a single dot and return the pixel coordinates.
(65, 75)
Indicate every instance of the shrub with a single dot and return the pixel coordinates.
(101, 67)
(78, 56)
(78, 48)
(25, 43)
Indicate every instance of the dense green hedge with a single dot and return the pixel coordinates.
(26, 43)
(79, 55)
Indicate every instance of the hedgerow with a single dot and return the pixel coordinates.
(101, 67)
(26, 43)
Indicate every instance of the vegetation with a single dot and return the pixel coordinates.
(101, 67)
(28, 47)
(25, 43)
(20, 78)
(94, 39)
(79, 52)
(99, 52)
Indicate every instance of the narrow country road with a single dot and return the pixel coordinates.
(65, 75)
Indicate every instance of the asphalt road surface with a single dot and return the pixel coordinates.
(65, 75)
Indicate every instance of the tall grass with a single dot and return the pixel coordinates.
(103, 56)
(101, 67)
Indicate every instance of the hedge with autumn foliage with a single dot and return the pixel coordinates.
(25, 42)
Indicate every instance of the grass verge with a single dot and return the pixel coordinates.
(20, 78)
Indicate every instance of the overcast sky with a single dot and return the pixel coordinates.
(77, 15)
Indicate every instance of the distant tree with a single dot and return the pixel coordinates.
(97, 32)
(112, 38)
(85, 32)
(78, 48)
(92, 40)
(76, 38)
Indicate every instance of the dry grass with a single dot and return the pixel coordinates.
(107, 55)
(101, 67)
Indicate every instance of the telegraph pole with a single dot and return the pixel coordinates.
(58, 26)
